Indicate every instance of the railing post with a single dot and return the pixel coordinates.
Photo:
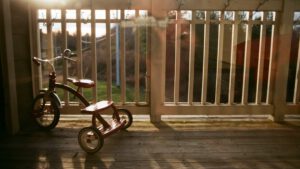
(158, 53)
(283, 56)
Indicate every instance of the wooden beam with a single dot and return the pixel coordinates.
(218, 5)
(270, 5)
(8, 63)
(212, 109)
(284, 48)
(158, 54)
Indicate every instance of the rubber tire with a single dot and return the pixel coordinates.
(128, 123)
(55, 109)
(129, 117)
(100, 140)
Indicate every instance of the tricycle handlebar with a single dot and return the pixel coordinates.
(65, 55)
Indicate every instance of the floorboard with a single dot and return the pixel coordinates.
(166, 145)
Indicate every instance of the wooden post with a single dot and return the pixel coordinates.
(284, 47)
(11, 101)
(158, 54)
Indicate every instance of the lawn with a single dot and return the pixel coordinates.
(102, 93)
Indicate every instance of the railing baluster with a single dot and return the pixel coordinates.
(49, 35)
(233, 59)
(137, 61)
(148, 66)
(261, 57)
(220, 59)
(163, 53)
(122, 60)
(273, 52)
(248, 42)
(108, 52)
(94, 55)
(177, 58)
(192, 59)
(79, 44)
(64, 46)
(205, 57)
(297, 81)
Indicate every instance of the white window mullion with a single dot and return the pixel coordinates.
(219, 59)
(192, 59)
(261, 58)
(248, 42)
(233, 59)
(205, 57)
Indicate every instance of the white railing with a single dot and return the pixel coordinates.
(230, 73)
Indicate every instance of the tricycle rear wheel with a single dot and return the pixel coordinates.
(45, 112)
(125, 114)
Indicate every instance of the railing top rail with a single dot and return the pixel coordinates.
(233, 5)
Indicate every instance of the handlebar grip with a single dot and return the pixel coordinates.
(35, 60)
(73, 54)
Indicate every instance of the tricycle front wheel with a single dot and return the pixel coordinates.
(90, 139)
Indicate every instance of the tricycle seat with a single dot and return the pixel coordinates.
(97, 107)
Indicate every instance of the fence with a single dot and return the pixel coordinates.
(177, 56)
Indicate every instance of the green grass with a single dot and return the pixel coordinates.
(101, 93)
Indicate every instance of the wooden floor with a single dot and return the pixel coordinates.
(170, 145)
